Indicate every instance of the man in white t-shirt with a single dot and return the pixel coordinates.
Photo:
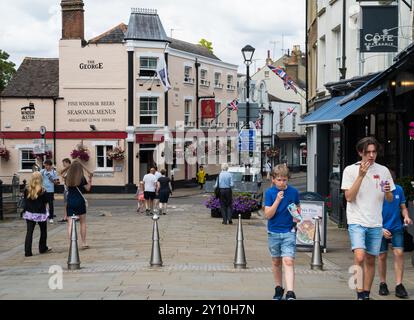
(365, 184)
(150, 185)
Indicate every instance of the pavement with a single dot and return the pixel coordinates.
(197, 252)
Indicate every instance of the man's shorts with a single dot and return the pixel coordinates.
(365, 238)
(282, 244)
(149, 195)
(397, 241)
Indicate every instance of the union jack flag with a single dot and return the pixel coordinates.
(290, 110)
(258, 123)
(287, 81)
(233, 105)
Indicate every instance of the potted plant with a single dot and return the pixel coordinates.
(242, 204)
(116, 154)
(4, 153)
(80, 152)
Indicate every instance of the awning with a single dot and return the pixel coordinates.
(333, 112)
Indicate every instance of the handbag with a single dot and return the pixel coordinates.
(86, 201)
(217, 189)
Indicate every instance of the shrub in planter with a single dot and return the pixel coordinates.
(243, 205)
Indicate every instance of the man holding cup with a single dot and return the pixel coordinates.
(365, 195)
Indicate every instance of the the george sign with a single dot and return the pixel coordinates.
(379, 31)
(90, 65)
(306, 228)
(208, 109)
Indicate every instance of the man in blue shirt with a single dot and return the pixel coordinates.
(393, 231)
(225, 183)
(281, 230)
(50, 178)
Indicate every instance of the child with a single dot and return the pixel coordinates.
(281, 228)
(140, 197)
(35, 212)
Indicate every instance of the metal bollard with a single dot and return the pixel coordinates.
(316, 262)
(240, 257)
(156, 260)
(73, 259)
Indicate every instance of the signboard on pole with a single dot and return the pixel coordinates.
(253, 111)
(379, 31)
(208, 109)
(247, 140)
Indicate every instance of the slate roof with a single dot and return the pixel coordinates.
(114, 35)
(145, 26)
(36, 77)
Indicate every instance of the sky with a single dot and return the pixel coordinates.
(32, 28)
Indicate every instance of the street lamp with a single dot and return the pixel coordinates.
(248, 52)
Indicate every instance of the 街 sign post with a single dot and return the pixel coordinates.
(379, 31)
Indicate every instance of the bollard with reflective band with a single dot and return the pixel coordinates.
(156, 260)
(73, 259)
(316, 263)
(240, 257)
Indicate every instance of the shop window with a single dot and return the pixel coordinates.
(26, 159)
(147, 66)
(148, 110)
(102, 161)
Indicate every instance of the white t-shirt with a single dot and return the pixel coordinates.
(150, 182)
(366, 209)
(157, 175)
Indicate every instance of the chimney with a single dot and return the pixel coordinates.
(268, 54)
(72, 19)
(268, 59)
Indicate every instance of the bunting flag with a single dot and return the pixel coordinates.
(258, 123)
(162, 73)
(233, 105)
(287, 81)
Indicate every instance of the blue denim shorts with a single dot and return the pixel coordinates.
(282, 244)
(365, 238)
(397, 241)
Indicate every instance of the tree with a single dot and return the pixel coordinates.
(7, 69)
(207, 44)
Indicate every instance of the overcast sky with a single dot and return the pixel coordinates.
(33, 27)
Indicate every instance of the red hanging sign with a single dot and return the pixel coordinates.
(208, 109)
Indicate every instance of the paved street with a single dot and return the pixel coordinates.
(197, 252)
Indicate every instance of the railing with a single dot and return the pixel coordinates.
(188, 80)
(204, 83)
(218, 85)
(231, 87)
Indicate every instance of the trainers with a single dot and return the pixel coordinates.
(278, 293)
(290, 295)
(383, 289)
(51, 221)
(400, 291)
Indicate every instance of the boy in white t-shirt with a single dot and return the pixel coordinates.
(365, 184)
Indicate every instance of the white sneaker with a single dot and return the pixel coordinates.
(51, 221)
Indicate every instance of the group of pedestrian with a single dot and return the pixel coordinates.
(39, 197)
(154, 190)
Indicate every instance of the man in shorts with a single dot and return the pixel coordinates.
(150, 185)
(366, 184)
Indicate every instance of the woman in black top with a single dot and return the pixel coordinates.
(164, 189)
(76, 202)
(35, 211)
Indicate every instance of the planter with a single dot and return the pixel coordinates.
(244, 215)
(216, 213)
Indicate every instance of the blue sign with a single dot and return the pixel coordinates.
(247, 140)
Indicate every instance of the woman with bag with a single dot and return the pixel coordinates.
(76, 202)
(35, 212)
(164, 189)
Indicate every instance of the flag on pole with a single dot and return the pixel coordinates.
(233, 105)
(162, 73)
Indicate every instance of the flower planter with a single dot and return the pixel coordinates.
(244, 215)
(215, 213)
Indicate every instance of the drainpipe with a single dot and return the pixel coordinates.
(54, 130)
(343, 68)
(306, 61)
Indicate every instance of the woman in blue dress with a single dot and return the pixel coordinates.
(76, 203)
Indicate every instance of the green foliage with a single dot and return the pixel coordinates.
(7, 69)
(207, 44)
(405, 183)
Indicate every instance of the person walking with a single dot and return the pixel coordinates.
(157, 175)
(66, 163)
(268, 169)
(281, 230)
(150, 186)
(201, 177)
(225, 184)
(50, 179)
(164, 190)
(362, 184)
(140, 198)
(393, 215)
(35, 211)
(76, 202)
